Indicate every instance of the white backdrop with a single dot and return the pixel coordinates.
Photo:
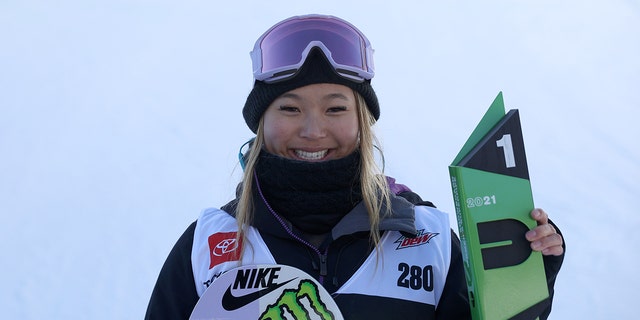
(120, 121)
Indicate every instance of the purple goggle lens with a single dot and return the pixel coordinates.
(281, 51)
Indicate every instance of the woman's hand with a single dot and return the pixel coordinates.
(544, 237)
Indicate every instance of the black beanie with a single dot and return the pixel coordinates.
(316, 69)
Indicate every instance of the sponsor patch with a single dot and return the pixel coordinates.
(223, 247)
(422, 238)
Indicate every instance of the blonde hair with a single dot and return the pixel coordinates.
(373, 185)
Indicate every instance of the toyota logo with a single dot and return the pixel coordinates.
(225, 246)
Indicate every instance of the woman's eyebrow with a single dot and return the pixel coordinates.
(336, 96)
(329, 96)
(290, 96)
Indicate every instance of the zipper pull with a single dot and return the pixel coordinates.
(323, 264)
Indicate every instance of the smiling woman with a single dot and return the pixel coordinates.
(313, 199)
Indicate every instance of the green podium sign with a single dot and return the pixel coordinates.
(493, 201)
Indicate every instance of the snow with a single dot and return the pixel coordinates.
(120, 121)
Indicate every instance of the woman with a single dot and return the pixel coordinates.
(313, 198)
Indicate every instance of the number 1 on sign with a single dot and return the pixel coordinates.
(507, 147)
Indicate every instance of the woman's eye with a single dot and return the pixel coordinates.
(337, 109)
(288, 109)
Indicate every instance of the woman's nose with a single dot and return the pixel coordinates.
(313, 127)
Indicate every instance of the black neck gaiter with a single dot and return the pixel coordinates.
(313, 196)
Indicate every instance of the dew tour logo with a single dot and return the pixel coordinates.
(422, 238)
(301, 303)
(223, 247)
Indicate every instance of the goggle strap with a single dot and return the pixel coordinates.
(241, 155)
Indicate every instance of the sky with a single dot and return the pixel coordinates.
(121, 120)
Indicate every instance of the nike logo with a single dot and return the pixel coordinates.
(231, 302)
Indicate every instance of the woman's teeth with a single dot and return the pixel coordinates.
(311, 155)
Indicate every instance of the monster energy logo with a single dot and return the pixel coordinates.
(297, 302)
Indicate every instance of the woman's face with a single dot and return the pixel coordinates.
(317, 122)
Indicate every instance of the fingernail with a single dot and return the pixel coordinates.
(536, 244)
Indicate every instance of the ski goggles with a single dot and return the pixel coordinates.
(281, 51)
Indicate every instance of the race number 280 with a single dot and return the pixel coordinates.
(415, 277)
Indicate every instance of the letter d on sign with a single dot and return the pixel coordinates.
(507, 230)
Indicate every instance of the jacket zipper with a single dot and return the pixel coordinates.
(323, 266)
(321, 255)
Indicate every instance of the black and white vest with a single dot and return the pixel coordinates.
(411, 269)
